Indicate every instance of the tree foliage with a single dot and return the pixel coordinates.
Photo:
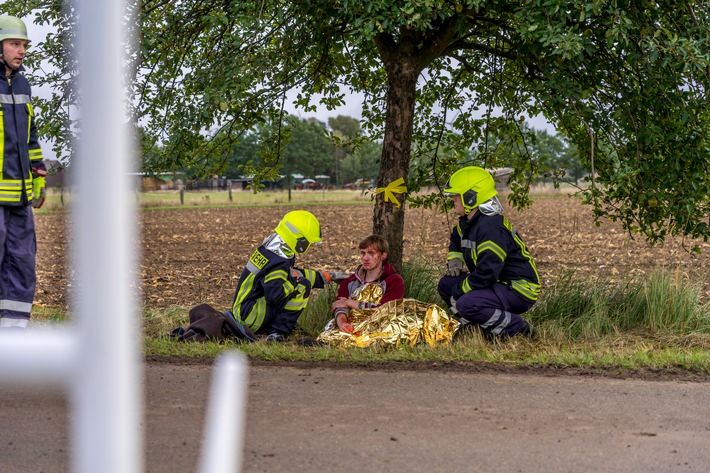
(362, 163)
(625, 81)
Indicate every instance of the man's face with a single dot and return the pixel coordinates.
(14, 52)
(371, 258)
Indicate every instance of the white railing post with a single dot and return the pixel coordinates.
(107, 399)
(223, 441)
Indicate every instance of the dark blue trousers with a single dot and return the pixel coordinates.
(18, 248)
(495, 309)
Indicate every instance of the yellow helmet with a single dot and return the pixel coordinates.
(475, 185)
(12, 27)
(299, 230)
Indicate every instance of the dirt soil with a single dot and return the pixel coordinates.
(196, 255)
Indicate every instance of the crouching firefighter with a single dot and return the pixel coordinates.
(271, 293)
(491, 277)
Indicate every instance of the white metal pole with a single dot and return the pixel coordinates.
(107, 398)
(38, 356)
(223, 440)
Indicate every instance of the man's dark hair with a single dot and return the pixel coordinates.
(377, 241)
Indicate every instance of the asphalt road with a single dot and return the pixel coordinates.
(317, 418)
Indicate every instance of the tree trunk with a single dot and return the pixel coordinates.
(388, 218)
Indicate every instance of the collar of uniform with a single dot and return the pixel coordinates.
(275, 244)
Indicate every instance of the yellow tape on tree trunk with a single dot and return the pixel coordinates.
(396, 187)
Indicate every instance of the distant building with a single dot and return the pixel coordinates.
(148, 182)
(56, 175)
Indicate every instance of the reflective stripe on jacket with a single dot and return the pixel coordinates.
(267, 287)
(493, 252)
(20, 151)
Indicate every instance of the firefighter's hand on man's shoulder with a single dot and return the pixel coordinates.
(337, 276)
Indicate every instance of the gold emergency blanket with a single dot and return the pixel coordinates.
(400, 321)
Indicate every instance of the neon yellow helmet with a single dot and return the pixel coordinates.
(475, 185)
(12, 27)
(299, 230)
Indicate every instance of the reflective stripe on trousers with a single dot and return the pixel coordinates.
(18, 248)
(496, 309)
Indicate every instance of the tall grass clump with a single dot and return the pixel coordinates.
(586, 308)
(317, 312)
(668, 301)
(420, 281)
(157, 323)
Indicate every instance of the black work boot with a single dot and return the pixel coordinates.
(275, 337)
(528, 331)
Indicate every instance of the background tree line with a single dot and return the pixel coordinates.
(340, 150)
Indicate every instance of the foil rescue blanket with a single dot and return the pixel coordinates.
(401, 321)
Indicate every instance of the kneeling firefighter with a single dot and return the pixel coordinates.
(272, 292)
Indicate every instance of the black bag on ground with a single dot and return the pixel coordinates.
(207, 323)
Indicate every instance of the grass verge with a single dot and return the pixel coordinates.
(657, 322)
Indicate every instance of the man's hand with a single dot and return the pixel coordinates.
(341, 321)
(454, 267)
(343, 303)
(297, 273)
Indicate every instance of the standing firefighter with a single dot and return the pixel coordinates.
(491, 277)
(22, 180)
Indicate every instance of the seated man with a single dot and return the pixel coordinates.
(370, 309)
(271, 293)
(373, 283)
(502, 280)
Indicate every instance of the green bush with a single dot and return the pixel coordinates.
(661, 302)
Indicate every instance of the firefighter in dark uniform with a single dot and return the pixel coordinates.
(22, 183)
(272, 292)
(491, 277)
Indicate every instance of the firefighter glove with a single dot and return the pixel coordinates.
(452, 302)
(454, 267)
(324, 275)
(337, 276)
(39, 192)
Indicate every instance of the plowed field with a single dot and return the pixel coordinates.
(195, 255)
